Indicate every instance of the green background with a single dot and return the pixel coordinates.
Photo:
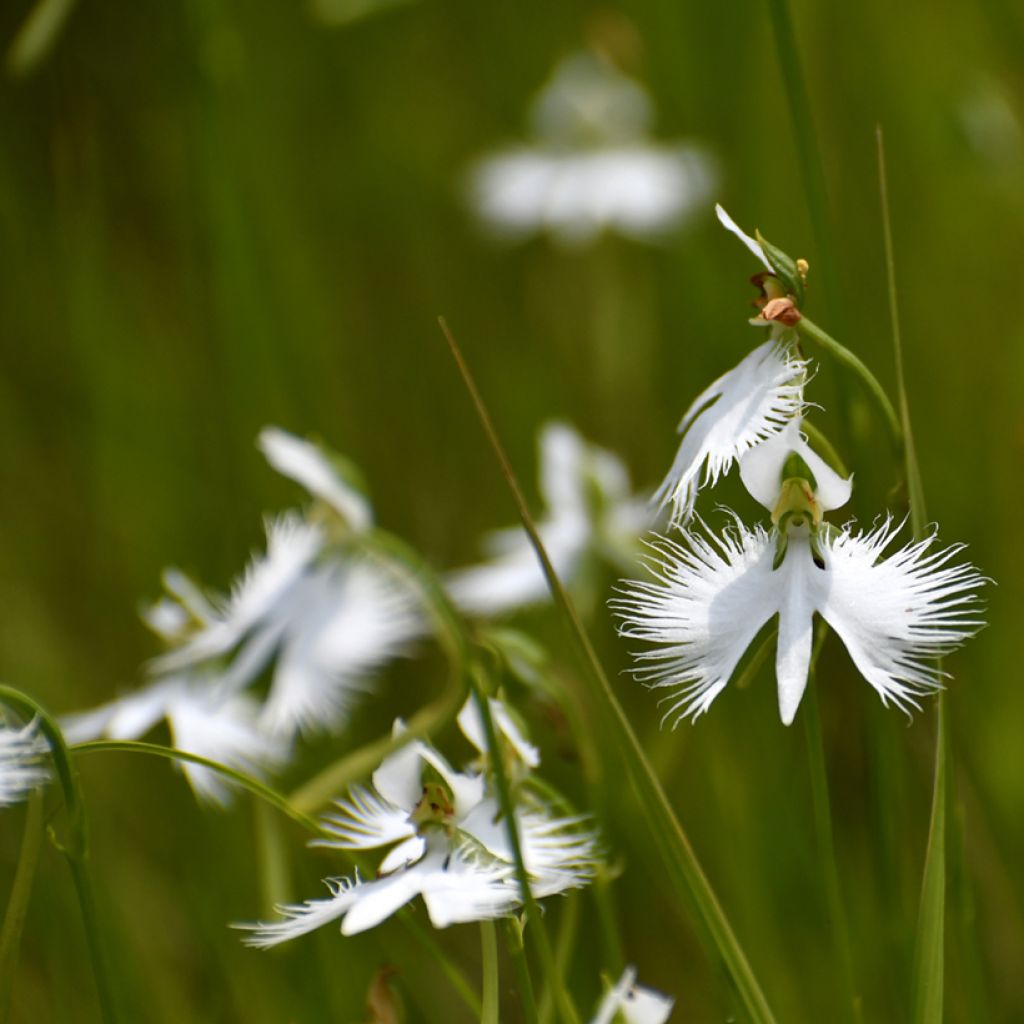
(217, 215)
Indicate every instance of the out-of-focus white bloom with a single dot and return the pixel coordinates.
(21, 762)
(752, 402)
(448, 845)
(590, 511)
(471, 723)
(630, 1003)
(204, 719)
(328, 621)
(592, 167)
(320, 471)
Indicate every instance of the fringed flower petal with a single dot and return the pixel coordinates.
(752, 402)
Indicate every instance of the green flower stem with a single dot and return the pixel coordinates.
(260, 789)
(489, 958)
(563, 951)
(17, 905)
(825, 835)
(808, 329)
(75, 845)
(566, 1011)
(517, 951)
(684, 869)
(271, 857)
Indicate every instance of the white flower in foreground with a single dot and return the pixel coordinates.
(752, 402)
(590, 511)
(592, 167)
(320, 471)
(204, 718)
(21, 763)
(326, 618)
(448, 845)
(633, 1004)
(712, 595)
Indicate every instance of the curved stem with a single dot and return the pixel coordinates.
(809, 329)
(260, 789)
(17, 905)
(76, 846)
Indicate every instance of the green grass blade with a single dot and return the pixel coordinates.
(17, 905)
(489, 957)
(928, 982)
(684, 870)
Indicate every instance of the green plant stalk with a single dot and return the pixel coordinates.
(563, 951)
(566, 1011)
(272, 858)
(683, 867)
(808, 329)
(76, 846)
(928, 981)
(489, 987)
(514, 943)
(825, 836)
(17, 905)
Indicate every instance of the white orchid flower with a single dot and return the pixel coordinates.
(22, 768)
(712, 595)
(592, 167)
(753, 246)
(326, 620)
(631, 1003)
(448, 845)
(590, 510)
(320, 471)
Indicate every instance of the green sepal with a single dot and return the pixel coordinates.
(784, 267)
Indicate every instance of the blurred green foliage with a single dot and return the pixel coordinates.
(216, 215)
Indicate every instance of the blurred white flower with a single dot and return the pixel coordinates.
(204, 718)
(712, 595)
(448, 845)
(326, 617)
(591, 167)
(323, 473)
(633, 1004)
(22, 768)
(590, 511)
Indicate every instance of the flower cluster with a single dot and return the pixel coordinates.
(448, 841)
(711, 594)
(313, 611)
